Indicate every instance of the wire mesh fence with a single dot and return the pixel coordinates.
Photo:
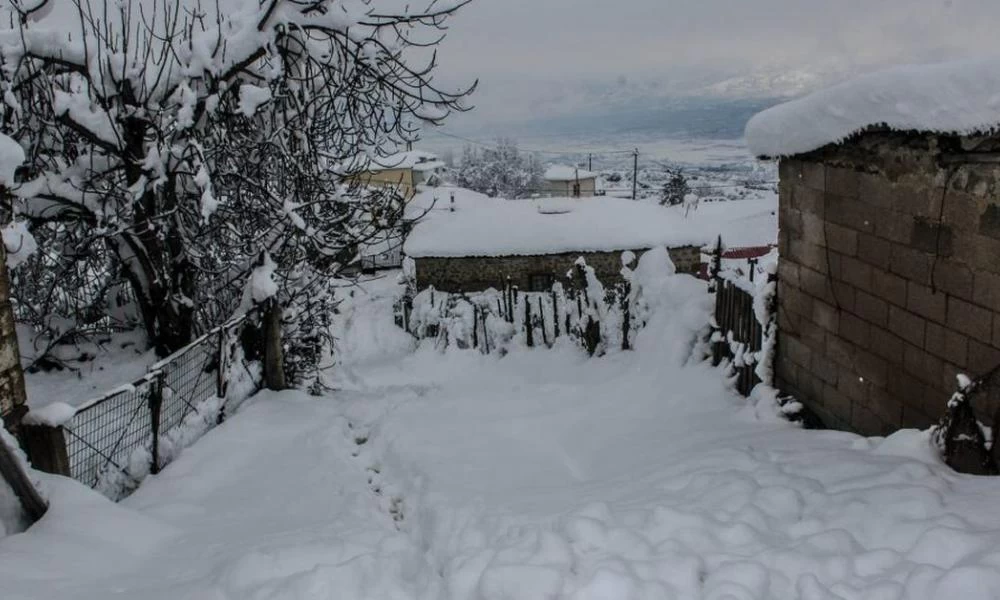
(113, 441)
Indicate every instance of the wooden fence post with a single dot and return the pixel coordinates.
(223, 362)
(475, 326)
(529, 330)
(626, 315)
(15, 476)
(555, 315)
(46, 448)
(541, 319)
(274, 356)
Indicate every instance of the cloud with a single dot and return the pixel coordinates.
(522, 49)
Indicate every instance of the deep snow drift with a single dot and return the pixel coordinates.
(542, 475)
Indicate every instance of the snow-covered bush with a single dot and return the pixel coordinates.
(500, 171)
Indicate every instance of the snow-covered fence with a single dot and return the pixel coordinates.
(595, 317)
(743, 326)
(112, 442)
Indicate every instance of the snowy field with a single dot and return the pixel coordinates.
(542, 475)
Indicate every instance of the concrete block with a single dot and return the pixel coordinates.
(922, 300)
(907, 325)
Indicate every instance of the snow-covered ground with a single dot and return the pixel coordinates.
(88, 370)
(541, 475)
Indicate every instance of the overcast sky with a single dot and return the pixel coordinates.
(516, 46)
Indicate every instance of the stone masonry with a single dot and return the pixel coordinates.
(889, 277)
(473, 273)
(12, 395)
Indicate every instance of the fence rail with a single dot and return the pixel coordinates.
(114, 440)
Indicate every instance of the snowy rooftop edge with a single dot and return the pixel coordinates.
(567, 173)
(518, 228)
(960, 97)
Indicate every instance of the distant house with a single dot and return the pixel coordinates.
(889, 268)
(404, 171)
(569, 182)
(533, 244)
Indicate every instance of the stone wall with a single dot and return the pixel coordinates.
(889, 279)
(12, 395)
(472, 274)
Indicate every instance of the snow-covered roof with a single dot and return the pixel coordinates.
(429, 165)
(954, 98)
(567, 173)
(550, 226)
(417, 160)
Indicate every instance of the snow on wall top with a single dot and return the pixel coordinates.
(957, 97)
(549, 226)
(566, 173)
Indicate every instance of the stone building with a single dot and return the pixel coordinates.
(889, 271)
(479, 243)
(562, 181)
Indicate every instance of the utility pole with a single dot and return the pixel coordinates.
(635, 172)
(590, 162)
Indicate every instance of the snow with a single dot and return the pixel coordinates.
(741, 223)
(11, 157)
(484, 227)
(53, 414)
(18, 242)
(91, 368)
(961, 97)
(253, 97)
(417, 160)
(567, 173)
(544, 474)
(262, 284)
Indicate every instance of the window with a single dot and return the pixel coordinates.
(540, 282)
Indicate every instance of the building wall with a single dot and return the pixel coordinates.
(12, 395)
(472, 274)
(889, 284)
(401, 179)
(588, 188)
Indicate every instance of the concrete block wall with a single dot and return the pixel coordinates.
(473, 274)
(889, 282)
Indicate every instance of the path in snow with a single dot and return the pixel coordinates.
(543, 475)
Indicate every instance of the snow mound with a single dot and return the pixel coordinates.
(960, 97)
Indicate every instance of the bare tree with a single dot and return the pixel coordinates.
(172, 143)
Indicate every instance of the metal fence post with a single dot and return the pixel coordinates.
(155, 404)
